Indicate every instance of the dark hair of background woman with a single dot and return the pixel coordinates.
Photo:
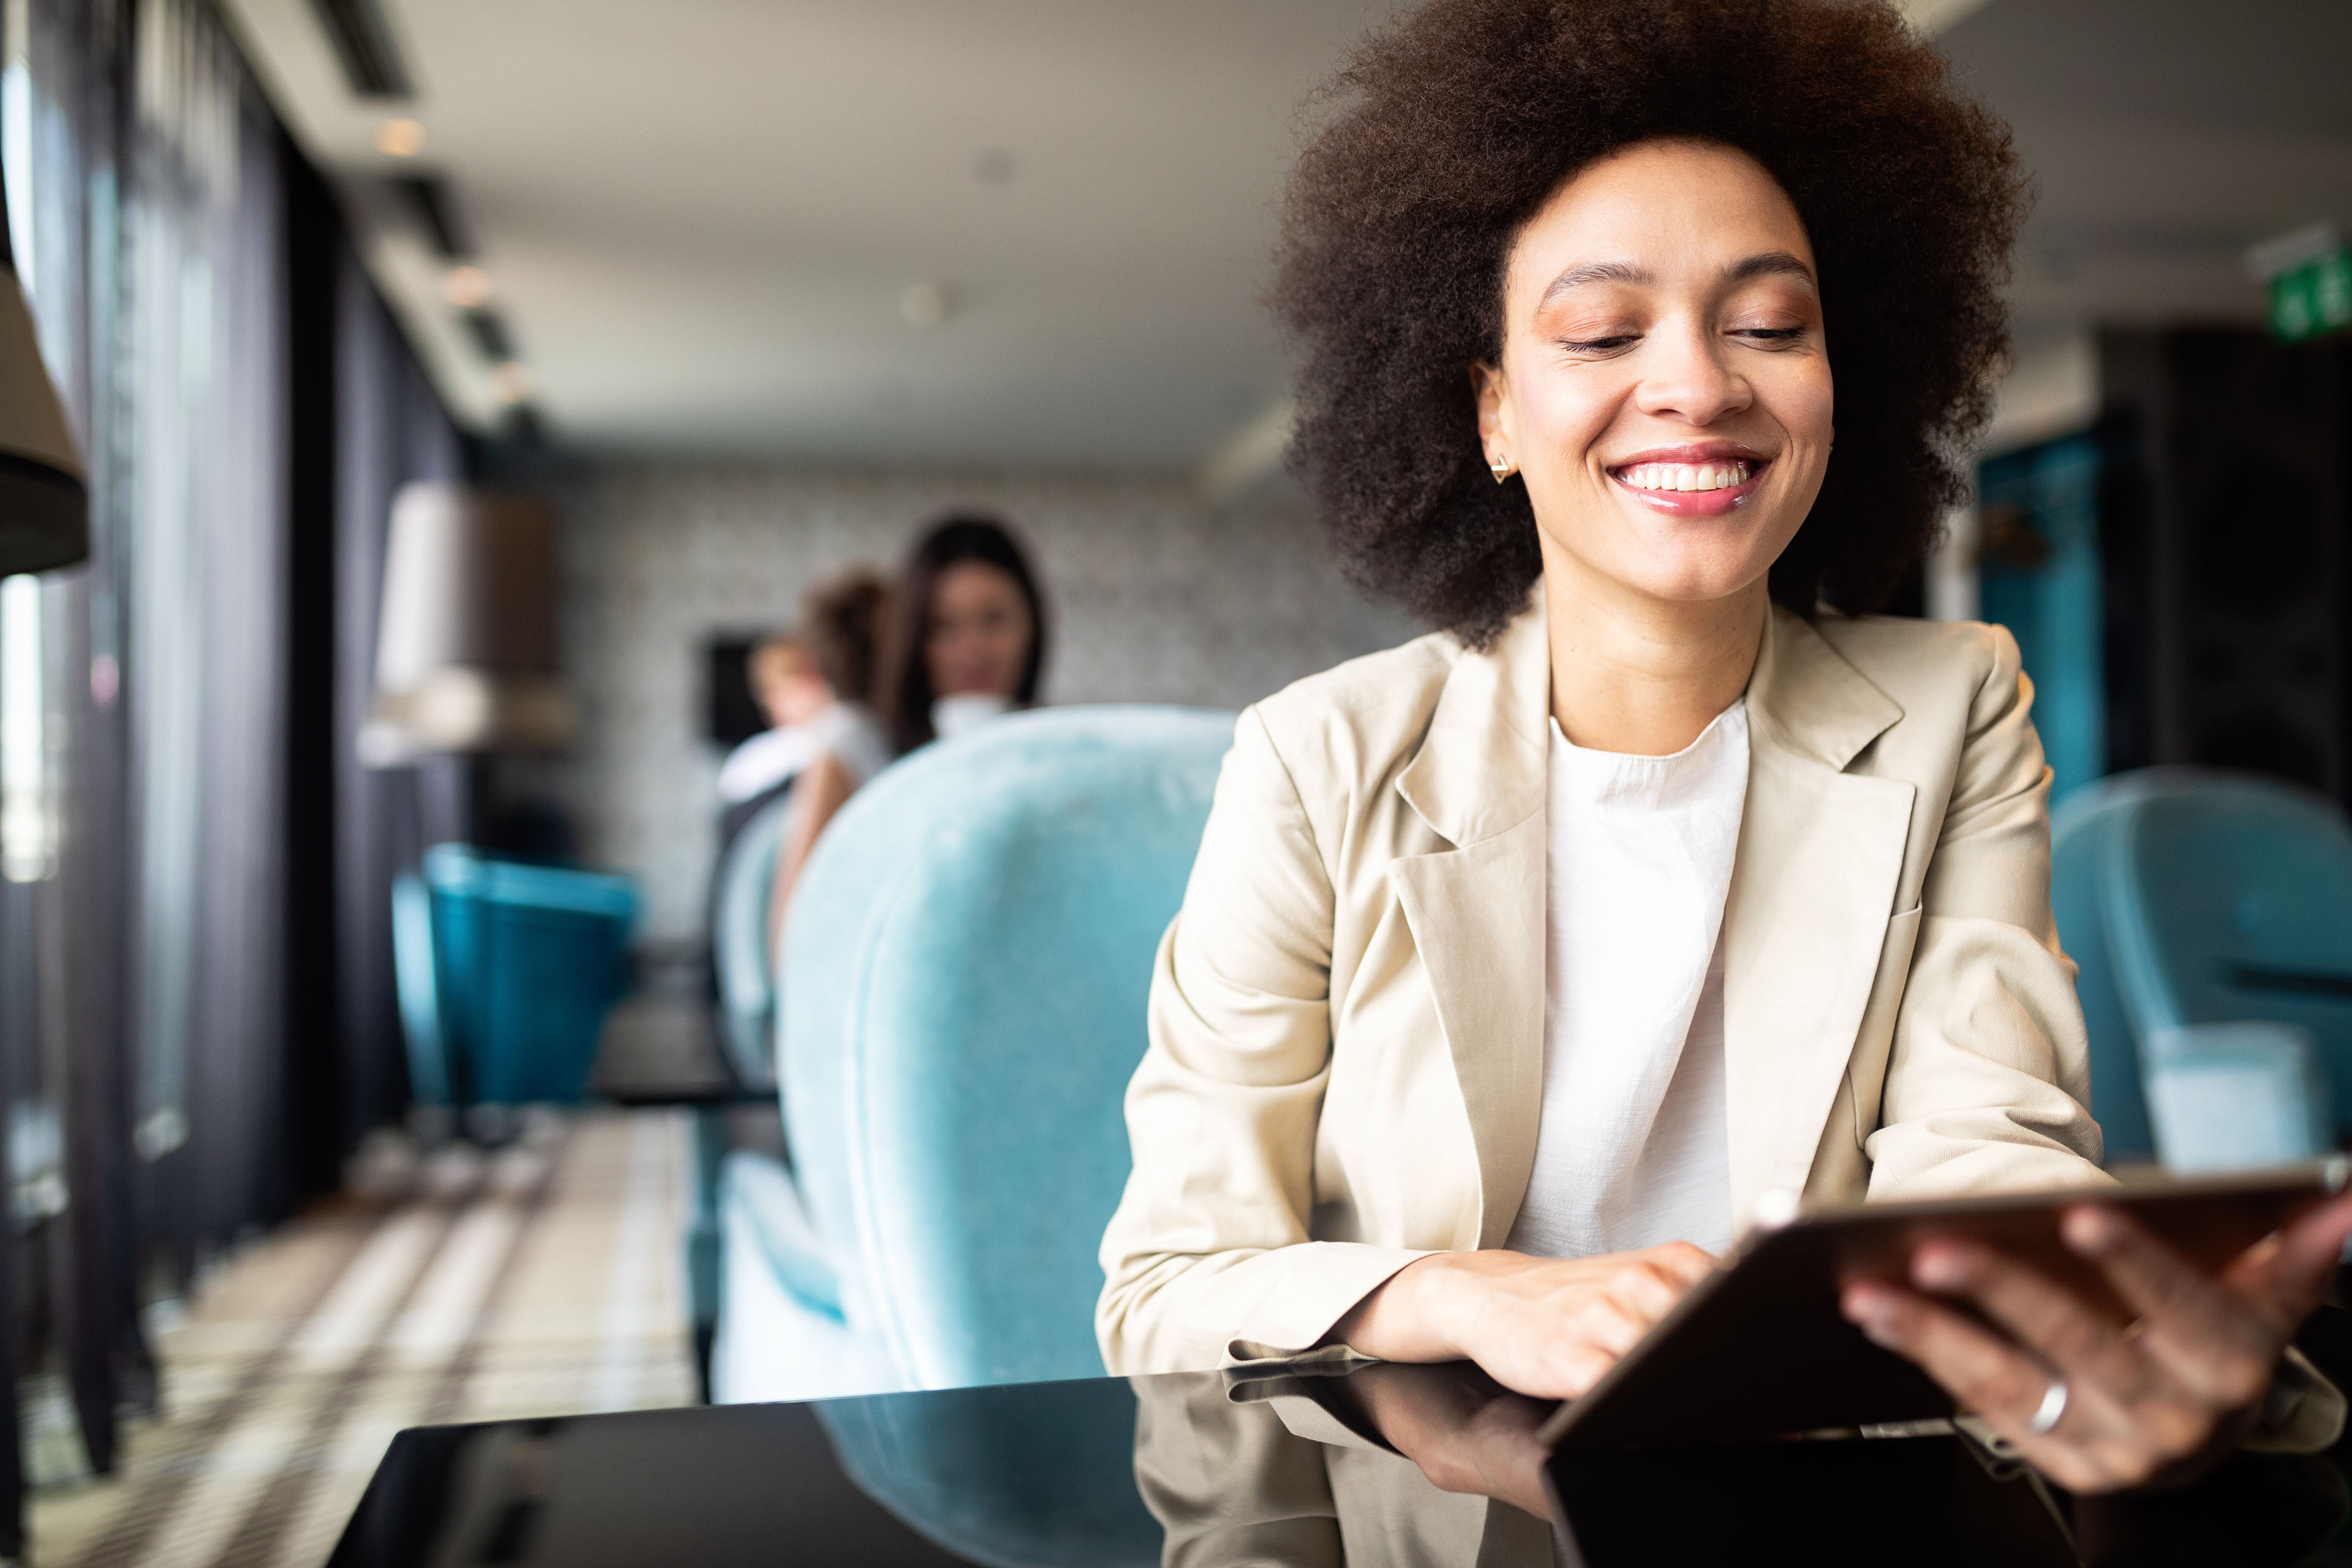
(1457, 125)
(906, 694)
(840, 621)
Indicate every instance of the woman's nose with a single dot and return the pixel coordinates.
(1689, 378)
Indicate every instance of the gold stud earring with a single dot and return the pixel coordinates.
(1499, 468)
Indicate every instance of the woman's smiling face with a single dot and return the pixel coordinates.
(1664, 389)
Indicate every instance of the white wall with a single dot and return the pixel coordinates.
(1153, 597)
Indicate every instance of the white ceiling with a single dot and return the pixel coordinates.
(702, 216)
(2165, 136)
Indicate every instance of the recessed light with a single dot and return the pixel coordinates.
(467, 288)
(926, 304)
(513, 381)
(400, 137)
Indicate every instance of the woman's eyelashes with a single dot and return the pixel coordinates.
(1619, 341)
(1614, 343)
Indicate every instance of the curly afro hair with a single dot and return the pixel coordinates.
(1458, 122)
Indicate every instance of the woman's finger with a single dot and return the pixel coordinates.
(1679, 1260)
(2086, 1443)
(2290, 1270)
(2153, 1280)
(1647, 1288)
(2051, 1320)
(2207, 1338)
(1990, 1377)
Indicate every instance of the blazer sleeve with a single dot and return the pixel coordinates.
(1209, 1258)
(1988, 1079)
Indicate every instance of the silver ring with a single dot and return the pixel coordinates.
(2053, 1409)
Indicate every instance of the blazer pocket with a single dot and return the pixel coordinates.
(1865, 1071)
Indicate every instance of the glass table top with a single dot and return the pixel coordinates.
(1288, 1468)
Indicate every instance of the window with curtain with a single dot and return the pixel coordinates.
(204, 417)
(158, 1052)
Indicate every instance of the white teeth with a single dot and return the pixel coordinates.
(1686, 476)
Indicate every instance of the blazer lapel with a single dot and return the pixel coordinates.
(1821, 855)
(1477, 910)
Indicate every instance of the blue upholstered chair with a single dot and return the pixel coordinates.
(506, 972)
(739, 941)
(2211, 915)
(965, 978)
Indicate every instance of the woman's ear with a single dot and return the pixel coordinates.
(1493, 391)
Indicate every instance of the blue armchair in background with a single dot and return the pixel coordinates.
(505, 973)
(965, 981)
(2211, 917)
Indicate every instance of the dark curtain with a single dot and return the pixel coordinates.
(197, 1024)
(391, 429)
(66, 978)
(206, 325)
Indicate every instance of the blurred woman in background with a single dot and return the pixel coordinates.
(964, 641)
(967, 638)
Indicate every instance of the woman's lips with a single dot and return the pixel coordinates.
(1707, 488)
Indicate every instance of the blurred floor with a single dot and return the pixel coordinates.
(540, 1280)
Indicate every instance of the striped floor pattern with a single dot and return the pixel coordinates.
(542, 1280)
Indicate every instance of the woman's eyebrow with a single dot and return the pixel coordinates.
(1594, 272)
(1765, 264)
(1768, 264)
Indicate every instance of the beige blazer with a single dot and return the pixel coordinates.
(1346, 1058)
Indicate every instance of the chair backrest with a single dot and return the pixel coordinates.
(739, 941)
(2081, 831)
(2192, 897)
(964, 992)
(526, 961)
(2230, 899)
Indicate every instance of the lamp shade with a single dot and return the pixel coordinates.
(44, 500)
(465, 648)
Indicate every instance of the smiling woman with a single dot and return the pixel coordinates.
(1659, 889)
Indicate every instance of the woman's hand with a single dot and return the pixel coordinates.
(2147, 1402)
(1541, 1326)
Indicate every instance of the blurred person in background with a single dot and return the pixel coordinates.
(965, 642)
(789, 692)
(814, 686)
(835, 737)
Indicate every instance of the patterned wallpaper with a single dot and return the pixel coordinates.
(1153, 597)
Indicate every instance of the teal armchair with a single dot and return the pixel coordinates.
(963, 1000)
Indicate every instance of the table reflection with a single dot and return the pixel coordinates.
(1315, 1463)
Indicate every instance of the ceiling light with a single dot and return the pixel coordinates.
(926, 304)
(513, 381)
(400, 137)
(467, 288)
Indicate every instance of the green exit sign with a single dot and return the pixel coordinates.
(2313, 297)
(2309, 276)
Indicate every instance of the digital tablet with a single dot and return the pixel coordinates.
(1760, 1348)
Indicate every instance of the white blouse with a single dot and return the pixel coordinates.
(1631, 1151)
